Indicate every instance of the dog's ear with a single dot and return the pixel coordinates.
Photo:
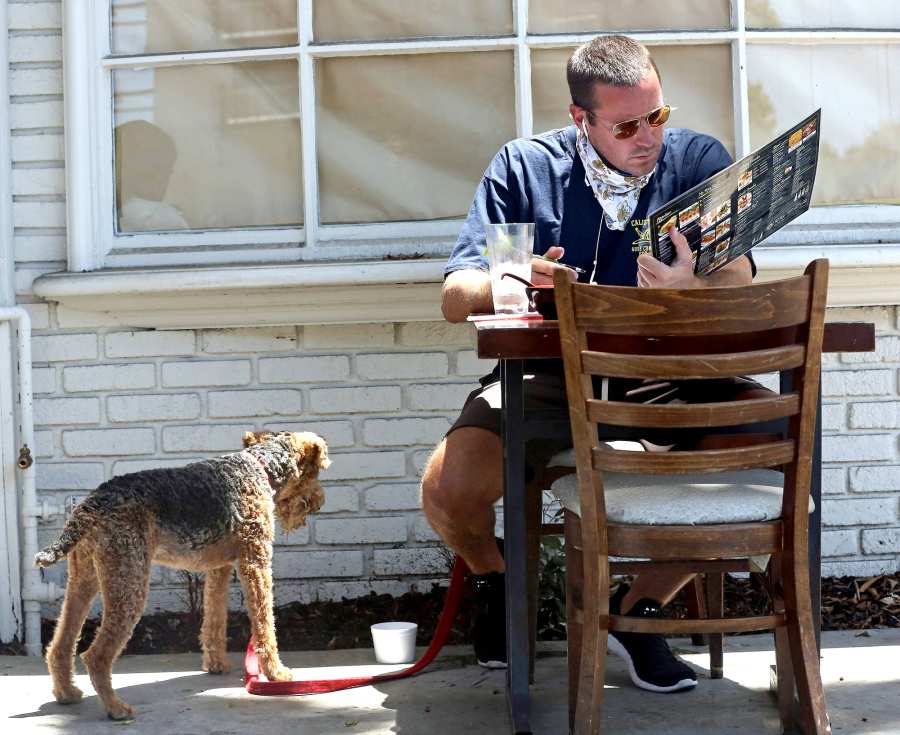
(254, 437)
(311, 452)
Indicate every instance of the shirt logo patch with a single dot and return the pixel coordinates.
(641, 228)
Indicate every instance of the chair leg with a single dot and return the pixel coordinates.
(695, 601)
(715, 601)
(574, 608)
(594, 640)
(784, 669)
(533, 518)
(802, 642)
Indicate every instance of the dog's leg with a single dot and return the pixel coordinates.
(215, 618)
(81, 590)
(124, 584)
(255, 570)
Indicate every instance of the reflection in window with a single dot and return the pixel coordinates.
(371, 20)
(162, 26)
(860, 143)
(209, 146)
(881, 14)
(588, 16)
(706, 107)
(407, 137)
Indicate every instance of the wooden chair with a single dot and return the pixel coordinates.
(704, 592)
(620, 506)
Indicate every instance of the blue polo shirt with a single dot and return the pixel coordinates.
(541, 180)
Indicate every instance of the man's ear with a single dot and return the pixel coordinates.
(577, 114)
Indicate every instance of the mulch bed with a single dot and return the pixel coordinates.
(848, 603)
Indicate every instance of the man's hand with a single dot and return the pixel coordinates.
(655, 274)
(542, 270)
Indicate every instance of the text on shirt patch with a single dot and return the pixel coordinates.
(642, 230)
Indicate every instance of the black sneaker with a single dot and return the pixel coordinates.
(651, 664)
(489, 631)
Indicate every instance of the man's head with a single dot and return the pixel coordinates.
(613, 80)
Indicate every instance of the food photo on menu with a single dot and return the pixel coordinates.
(742, 205)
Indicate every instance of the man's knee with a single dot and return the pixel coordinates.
(463, 473)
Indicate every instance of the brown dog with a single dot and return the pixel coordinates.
(202, 517)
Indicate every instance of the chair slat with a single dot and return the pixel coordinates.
(628, 624)
(727, 413)
(695, 542)
(769, 454)
(662, 311)
(686, 367)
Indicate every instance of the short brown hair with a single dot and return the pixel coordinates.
(618, 61)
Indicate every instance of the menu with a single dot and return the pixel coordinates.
(733, 210)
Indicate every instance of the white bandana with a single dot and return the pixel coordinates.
(617, 194)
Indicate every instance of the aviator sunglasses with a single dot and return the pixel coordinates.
(629, 128)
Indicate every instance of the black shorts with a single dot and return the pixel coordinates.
(548, 391)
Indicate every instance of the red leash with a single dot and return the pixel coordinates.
(322, 686)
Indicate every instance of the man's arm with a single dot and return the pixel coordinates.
(654, 274)
(465, 292)
(468, 291)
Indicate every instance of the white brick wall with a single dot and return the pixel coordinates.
(861, 477)
(115, 400)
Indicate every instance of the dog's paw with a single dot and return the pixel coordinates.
(69, 694)
(215, 663)
(118, 710)
(281, 673)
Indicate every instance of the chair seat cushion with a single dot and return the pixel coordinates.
(742, 496)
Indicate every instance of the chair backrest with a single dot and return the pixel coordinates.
(706, 333)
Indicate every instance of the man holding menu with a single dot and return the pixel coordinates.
(588, 188)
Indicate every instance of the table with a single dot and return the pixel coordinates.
(511, 342)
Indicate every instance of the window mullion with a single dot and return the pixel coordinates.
(650, 38)
(198, 57)
(522, 62)
(740, 94)
(309, 171)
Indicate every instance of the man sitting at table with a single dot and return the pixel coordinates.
(598, 222)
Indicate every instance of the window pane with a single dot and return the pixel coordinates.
(882, 14)
(586, 16)
(705, 107)
(161, 26)
(208, 146)
(408, 137)
(370, 20)
(860, 143)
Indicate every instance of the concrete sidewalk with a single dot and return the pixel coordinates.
(172, 696)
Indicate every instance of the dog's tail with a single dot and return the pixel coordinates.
(70, 536)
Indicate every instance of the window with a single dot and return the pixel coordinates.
(281, 131)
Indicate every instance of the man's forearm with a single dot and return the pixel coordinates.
(466, 292)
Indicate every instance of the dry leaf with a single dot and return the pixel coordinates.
(868, 583)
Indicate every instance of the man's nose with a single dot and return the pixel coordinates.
(645, 133)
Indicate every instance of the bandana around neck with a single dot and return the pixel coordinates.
(617, 193)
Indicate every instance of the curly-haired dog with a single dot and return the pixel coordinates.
(204, 516)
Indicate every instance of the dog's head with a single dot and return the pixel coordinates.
(299, 456)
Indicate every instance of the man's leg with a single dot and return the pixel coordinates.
(660, 587)
(460, 485)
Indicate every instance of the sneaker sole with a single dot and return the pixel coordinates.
(617, 649)
(492, 664)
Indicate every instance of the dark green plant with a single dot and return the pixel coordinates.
(551, 617)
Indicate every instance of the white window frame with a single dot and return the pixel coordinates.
(872, 232)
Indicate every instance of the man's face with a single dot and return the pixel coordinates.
(636, 155)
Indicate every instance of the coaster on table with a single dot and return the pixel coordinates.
(528, 316)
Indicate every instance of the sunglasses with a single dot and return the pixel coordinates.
(629, 128)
